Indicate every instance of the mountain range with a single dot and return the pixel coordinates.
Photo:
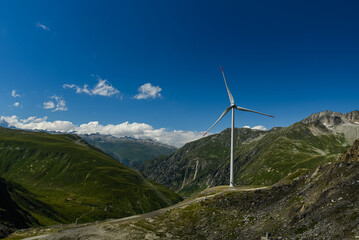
(261, 157)
(128, 151)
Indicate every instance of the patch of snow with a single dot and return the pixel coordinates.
(327, 125)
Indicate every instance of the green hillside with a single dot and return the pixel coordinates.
(261, 157)
(70, 178)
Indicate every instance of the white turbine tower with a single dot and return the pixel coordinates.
(232, 106)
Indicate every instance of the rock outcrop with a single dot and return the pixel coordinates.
(339, 123)
(353, 153)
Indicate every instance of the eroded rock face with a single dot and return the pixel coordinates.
(333, 118)
(339, 123)
(353, 153)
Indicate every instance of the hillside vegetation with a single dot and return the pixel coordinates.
(67, 180)
(261, 157)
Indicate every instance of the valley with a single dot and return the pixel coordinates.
(179, 120)
(57, 178)
(322, 204)
(293, 182)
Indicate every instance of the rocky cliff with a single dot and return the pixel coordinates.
(353, 153)
(339, 123)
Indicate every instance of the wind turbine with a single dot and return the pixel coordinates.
(232, 106)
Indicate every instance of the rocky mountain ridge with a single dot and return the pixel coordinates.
(339, 123)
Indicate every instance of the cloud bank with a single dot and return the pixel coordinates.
(102, 88)
(137, 130)
(147, 90)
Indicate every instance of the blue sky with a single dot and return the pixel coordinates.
(285, 58)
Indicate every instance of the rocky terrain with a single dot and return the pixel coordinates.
(128, 151)
(338, 123)
(353, 153)
(261, 157)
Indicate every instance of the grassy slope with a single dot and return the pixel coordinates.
(293, 150)
(261, 158)
(72, 177)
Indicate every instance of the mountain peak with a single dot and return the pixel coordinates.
(333, 118)
(338, 123)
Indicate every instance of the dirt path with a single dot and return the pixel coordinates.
(77, 219)
(186, 202)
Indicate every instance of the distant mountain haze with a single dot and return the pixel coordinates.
(128, 151)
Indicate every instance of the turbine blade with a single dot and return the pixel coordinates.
(224, 113)
(248, 110)
(229, 92)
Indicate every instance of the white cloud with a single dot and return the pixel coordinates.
(147, 90)
(14, 94)
(49, 105)
(259, 127)
(59, 106)
(103, 88)
(137, 130)
(42, 26)
(17, 104)
(33, 120)
(33, 123)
